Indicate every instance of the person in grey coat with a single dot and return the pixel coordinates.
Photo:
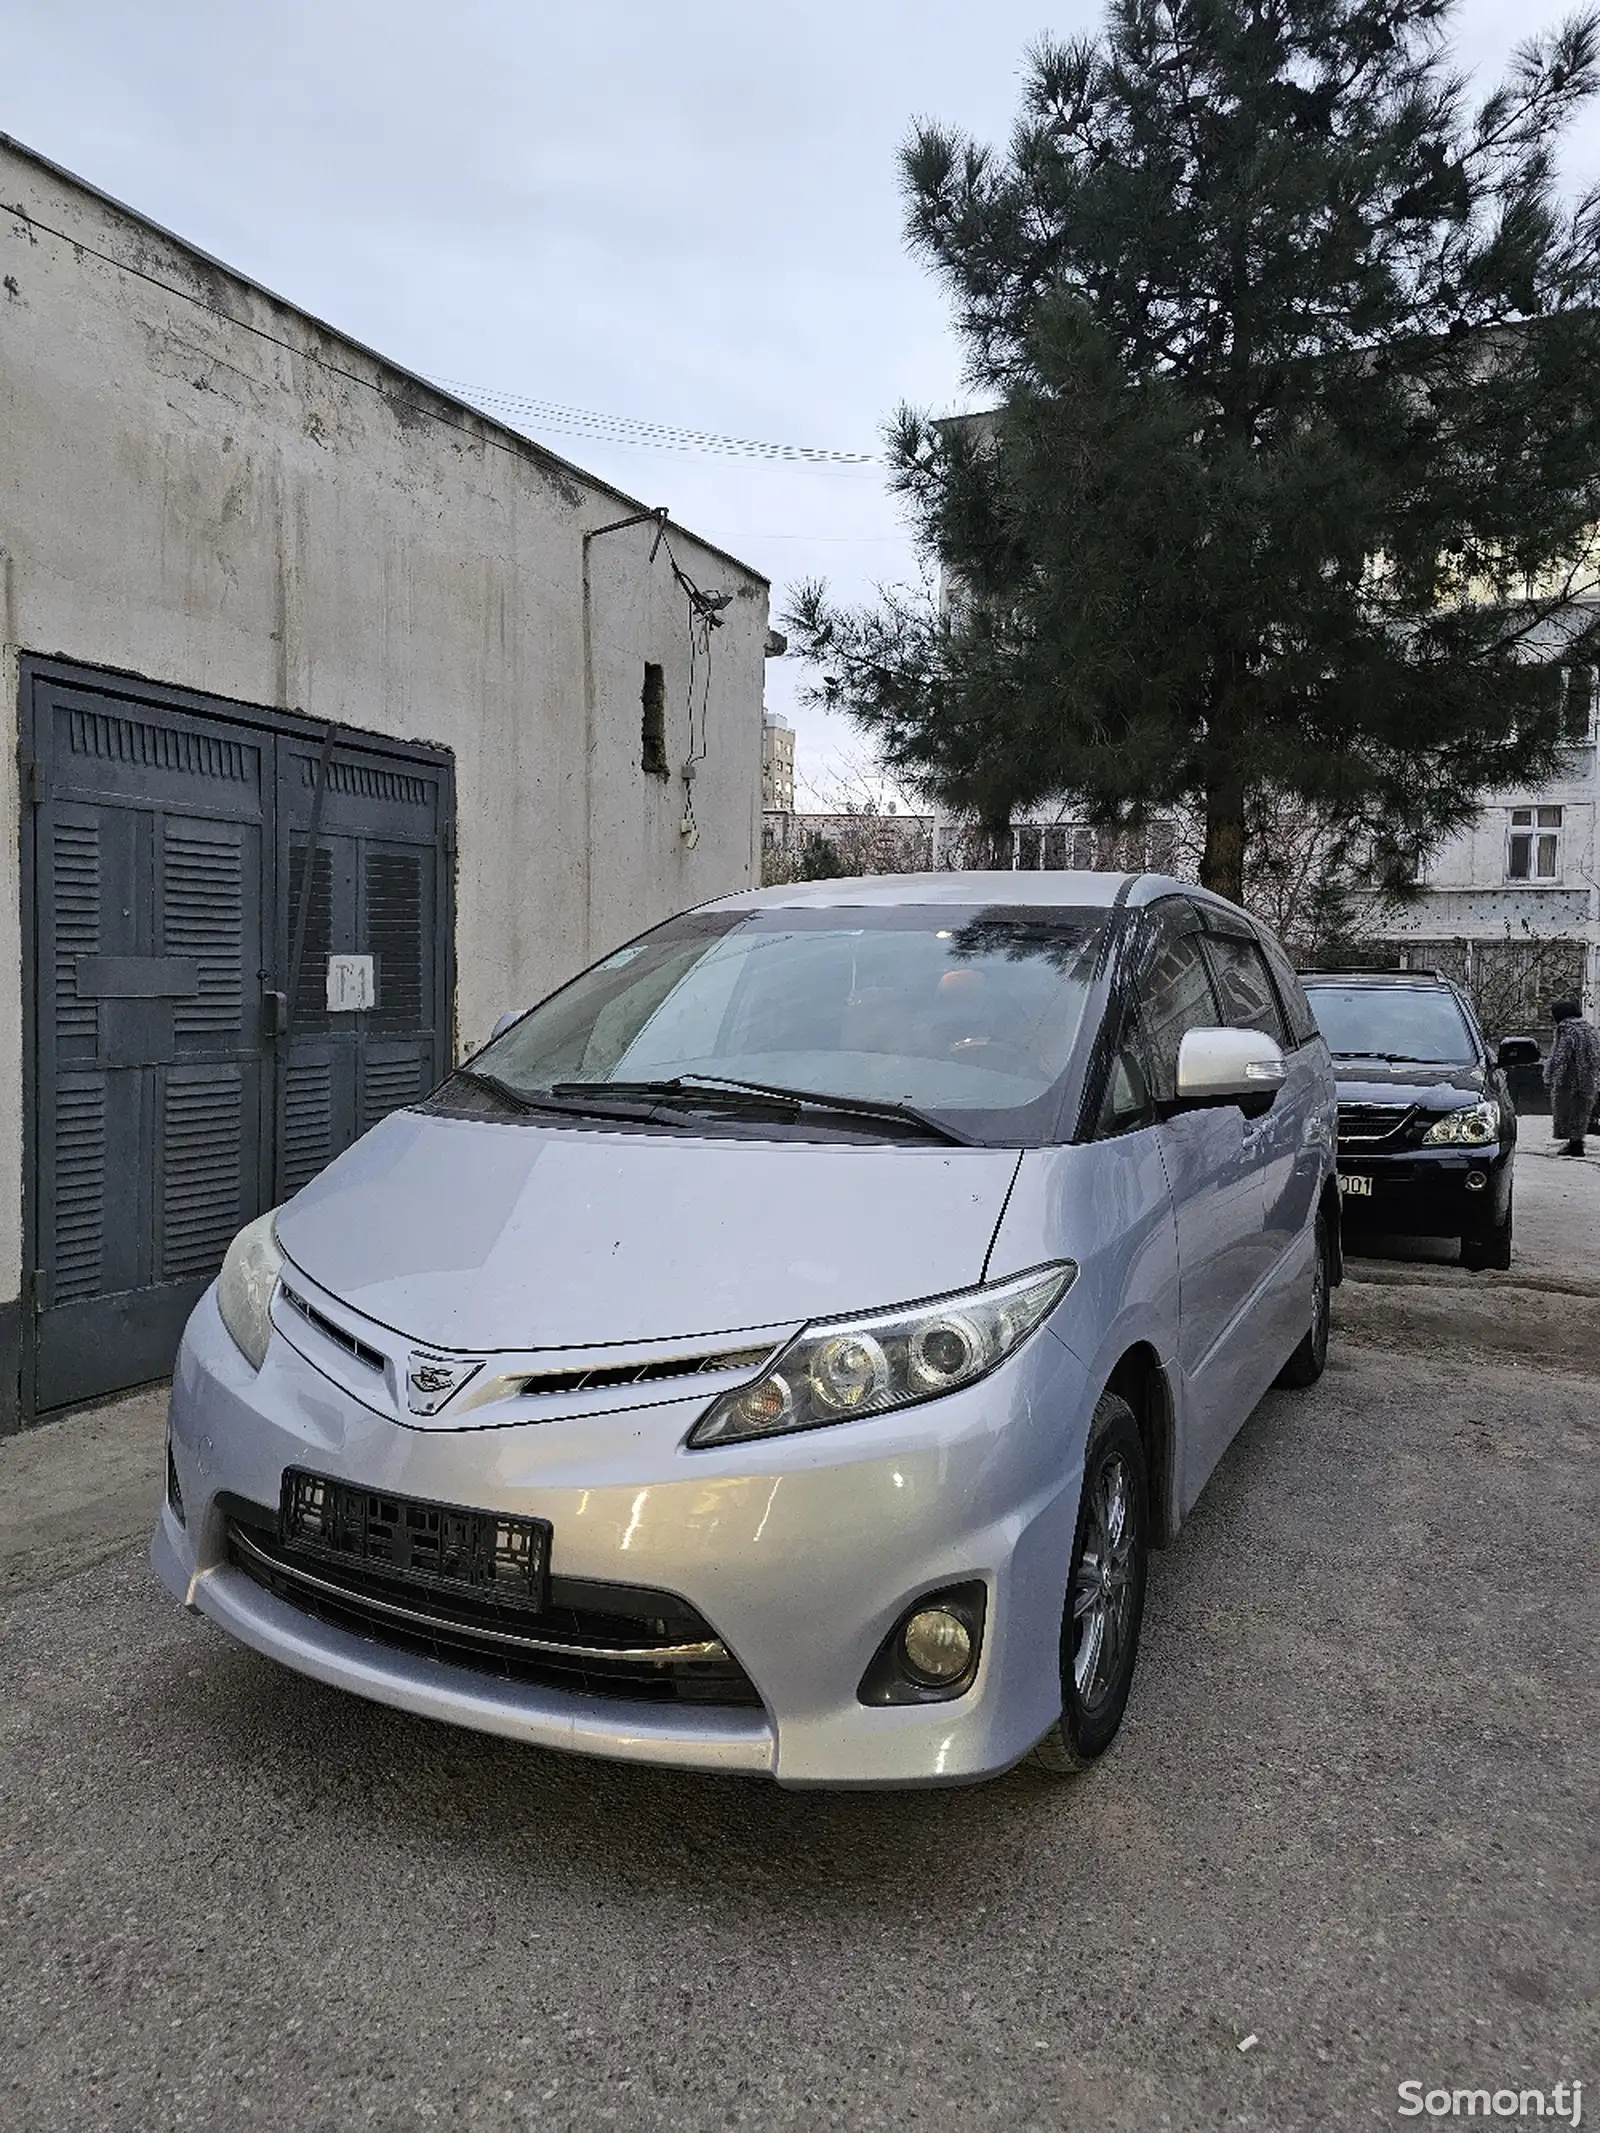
(1572, 1075)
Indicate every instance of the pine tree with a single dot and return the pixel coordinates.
(1292, 480)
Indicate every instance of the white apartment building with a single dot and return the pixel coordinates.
(777, 763)
(1512, 905)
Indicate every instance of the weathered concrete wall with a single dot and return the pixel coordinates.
(201, 486)
(1469, 896)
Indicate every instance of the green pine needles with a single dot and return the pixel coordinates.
(1292, 481)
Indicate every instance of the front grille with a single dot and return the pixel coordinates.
(589, 1638)
(325, 1326)
(607, 1374)
(1374, 1125)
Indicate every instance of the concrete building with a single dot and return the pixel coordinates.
(343, 718)
(1511, 906)
(777, 763)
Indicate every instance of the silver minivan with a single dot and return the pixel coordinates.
(779, 1350)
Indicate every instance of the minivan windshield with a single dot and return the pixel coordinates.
(1402, 1023)
(965, 1015)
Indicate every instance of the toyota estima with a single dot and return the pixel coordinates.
(779, 1350)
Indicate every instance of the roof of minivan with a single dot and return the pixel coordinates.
(1022, 886)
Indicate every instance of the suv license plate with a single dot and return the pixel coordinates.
(1357, 1188)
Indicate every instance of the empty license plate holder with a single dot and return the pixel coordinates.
(447, 1547)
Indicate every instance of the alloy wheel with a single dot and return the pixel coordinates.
(1102, 1594)
(1321, 1300)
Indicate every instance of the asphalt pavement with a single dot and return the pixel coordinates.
(1347, 1838)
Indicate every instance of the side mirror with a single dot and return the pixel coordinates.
(1517, 1052)
(1229, 1066)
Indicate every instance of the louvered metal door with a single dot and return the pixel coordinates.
(166, 852)
(150, 1086)
(376, 885)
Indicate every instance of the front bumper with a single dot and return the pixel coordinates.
(1425, 1192)
(801, 1553)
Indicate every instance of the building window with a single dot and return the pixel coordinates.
(1533, 852)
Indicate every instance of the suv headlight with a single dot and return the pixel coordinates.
(850, 1367)
(1470, 1127)
(245, 1285)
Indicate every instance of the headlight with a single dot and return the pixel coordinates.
(865, 1366)
(1469, 1127)
(244, 1287)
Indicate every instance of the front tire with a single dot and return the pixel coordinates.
(1307, 1363)
(1491, 1253)
(1105, 1593)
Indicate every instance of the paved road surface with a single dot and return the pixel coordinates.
(1352, 1815)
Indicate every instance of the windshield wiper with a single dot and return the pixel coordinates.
(548, 1099)
(886, 1107)
(688, 1088)
(1400, 1059)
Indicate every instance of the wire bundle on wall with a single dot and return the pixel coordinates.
(705, 615)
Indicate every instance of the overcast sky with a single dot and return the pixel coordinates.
(685, 215)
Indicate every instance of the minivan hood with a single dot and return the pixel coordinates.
(475, 1235)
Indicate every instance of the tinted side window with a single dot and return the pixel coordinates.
(1175, 996)
(1248, 1000)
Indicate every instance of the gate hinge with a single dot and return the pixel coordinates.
(36, 1291)
(32, 780)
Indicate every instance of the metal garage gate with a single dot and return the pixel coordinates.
(240, 947)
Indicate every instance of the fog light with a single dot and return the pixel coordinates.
(936, 1646)
(1476, 1180)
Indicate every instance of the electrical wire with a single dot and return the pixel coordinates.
(657, 436)
(705, 615)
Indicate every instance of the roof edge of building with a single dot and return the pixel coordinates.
(524, 445)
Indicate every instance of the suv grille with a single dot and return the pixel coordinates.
(1374, 1125)
(590, 1638)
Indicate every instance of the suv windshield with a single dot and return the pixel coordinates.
(1398, 1022)
(967, 1015)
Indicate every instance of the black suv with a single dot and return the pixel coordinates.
(1427, 1128)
